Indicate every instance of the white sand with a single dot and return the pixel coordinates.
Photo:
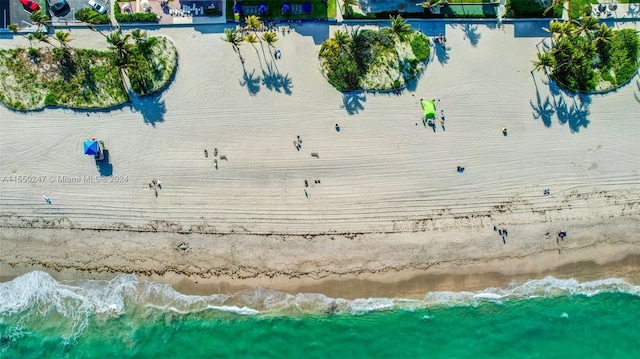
(381, 173)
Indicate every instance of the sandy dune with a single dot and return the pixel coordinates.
(384, 172)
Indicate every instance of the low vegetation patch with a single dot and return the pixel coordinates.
(155, 61)
(35, 77)
(588, 57)
(374, 60)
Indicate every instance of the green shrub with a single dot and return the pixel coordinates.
(51, 99)
(33, 52)
(137, 17)
(344, 74)
(420, 47)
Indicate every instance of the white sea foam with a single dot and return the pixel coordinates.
(36, 294)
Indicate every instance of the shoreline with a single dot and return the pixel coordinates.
(335, 267)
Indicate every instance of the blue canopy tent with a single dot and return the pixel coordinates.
(263, 8)
(237, 8)
(93, 148)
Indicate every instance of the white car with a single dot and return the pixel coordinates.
(97, 7)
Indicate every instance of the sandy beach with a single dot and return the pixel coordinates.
(384, 203)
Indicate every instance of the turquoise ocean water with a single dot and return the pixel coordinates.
(129, 318)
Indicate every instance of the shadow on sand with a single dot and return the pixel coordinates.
(441, 53)
(353, 101)
(271, 78)
(151, 107)
(251, 81)
(637, 93)
(471, 32)
(569, 108)
(319, 31)
(105, 168)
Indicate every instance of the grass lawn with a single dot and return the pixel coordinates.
(320, 9)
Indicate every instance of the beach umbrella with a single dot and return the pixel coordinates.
(91, 147)
(429, 108)
(307, 7)
(285, 8)
(237, 8)
(263, 8)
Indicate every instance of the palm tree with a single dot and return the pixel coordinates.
(399, 26)
(604, 34)
(567, 28)
(329, 48)
(270, 38)
(39, 36)
(234, 38)
(121, 47)
(587, 26)
(251, 38)
(544, 62)
(348, 6)
(39, 18)
(555, 29)
(63, 38)
(342, 38)
(138, 36)
(564, 48)
(253, 23)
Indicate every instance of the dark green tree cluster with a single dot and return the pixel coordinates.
(348, 56)
(585, 53)
(133, 55)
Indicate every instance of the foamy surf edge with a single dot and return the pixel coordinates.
(37, 294)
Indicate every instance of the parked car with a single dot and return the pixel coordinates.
(97, 7)
(59, 8)
(29, 5)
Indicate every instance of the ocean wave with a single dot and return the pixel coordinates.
(36, 295)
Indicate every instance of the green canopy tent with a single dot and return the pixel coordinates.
(429, 108)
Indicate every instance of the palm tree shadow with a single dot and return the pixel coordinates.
(471, 33)
(542, 109)
(352, 102)
(637, 94)
(252, 83)
(285, 81)
(151, 107)
(574, 113)
(441, 54)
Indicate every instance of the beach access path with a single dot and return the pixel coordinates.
(383, 175)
